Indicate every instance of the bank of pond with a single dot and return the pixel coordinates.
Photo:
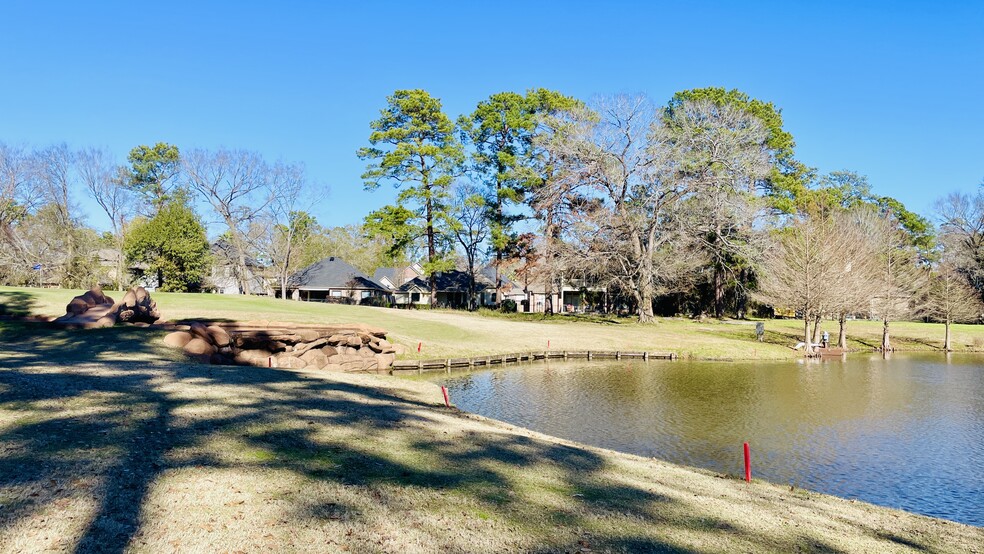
(904, 432)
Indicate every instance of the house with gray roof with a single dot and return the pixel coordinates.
(334, 280)
(394, 277)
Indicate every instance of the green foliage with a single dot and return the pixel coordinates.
(397, 226)
(152, 168)
(413, 146)
(788, 178)
(508, 306)
(848, 190)
(412, 142)
(502, 129)
(918, 230)
(349, 243)
(173, 245)
(299, 228)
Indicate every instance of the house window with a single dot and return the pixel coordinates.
(366, 294)
(336, 293)
(415, 297)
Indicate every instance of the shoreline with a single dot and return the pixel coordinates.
(438, 379)
(163, 454)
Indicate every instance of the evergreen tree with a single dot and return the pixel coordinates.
(174, 246)
(413, 146)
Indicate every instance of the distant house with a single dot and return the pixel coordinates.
(333, 280)
(509, 290)
(394, 277)
(452, 289)
(222, 277)
(567, 296)
(410, 287)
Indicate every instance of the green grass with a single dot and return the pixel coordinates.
(444, 333)
(110, 442)
(153, 455)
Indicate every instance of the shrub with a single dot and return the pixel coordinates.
(377, 301)
(508, 306)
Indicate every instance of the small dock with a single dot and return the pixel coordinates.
(447, 364)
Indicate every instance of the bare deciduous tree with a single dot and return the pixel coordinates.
(722, 153)
(641, 172)
(236, 183)
(288, 223)
(799, 270)
(471, 229)
(898, 276)
(107, 184)
(961, 232)
(949, 299)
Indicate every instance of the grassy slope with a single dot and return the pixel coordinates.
(109, 444)
(454, 334)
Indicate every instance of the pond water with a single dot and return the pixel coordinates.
(907, 432)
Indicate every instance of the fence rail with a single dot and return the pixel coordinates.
(447, 364)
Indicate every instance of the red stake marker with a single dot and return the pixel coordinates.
(419, 344)
(548, 345)
(748, 464)
(269, 362)
(447, 402)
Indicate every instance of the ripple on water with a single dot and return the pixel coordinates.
(906, 433)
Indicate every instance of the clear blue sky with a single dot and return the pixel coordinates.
(892, 90)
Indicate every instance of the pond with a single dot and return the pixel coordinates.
(907, 432)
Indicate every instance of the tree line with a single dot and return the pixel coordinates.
(155, 227)
(694, 206)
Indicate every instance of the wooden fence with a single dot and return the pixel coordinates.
(447, 364)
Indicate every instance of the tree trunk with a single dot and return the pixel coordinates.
(741, 296)
(886, 344)
(645, 299)
(498, 277)
(806, 334)
(471, 283)
(842, 333)
(244, 275)
(119, 270)
(548, 307)
(946, 337)
(431, 251)
(718, 292)
(816, 329)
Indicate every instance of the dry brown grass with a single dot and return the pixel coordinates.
(139, 452)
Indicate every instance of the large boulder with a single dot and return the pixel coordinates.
(77, 306)
(218, 335)
(201, 331)
(385, 361)
(314, 358)
(178, 339)
(198, 347)
(130, 299)
(349, 362)
(255, 357)
(292, 362)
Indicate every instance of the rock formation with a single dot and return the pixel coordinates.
(327, 347)
(94, 309)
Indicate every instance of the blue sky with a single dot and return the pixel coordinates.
(892, 90)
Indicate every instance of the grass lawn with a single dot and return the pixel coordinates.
(458, 334)
(110, 443)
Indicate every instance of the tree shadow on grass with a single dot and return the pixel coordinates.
(16, 303)
(112, 429)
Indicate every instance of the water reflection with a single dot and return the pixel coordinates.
(906, 432)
